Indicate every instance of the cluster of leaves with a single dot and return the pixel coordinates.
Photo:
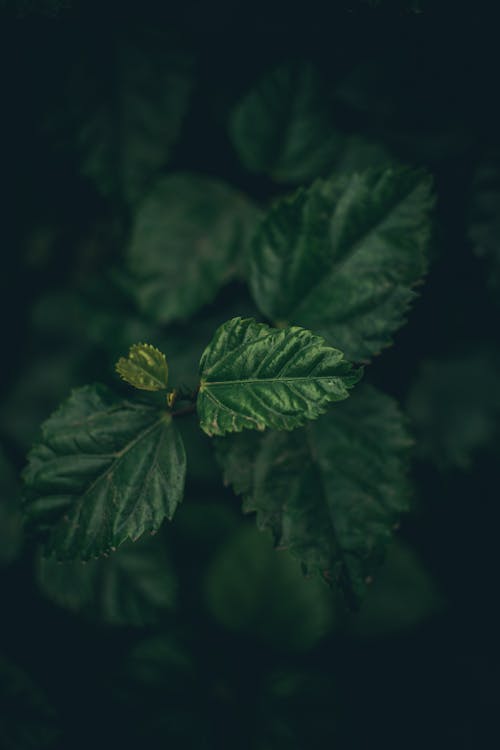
(332, 266)
(267, 297)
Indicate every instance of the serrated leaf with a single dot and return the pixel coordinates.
(283, 127)
(330, 493)
(133, 92)
(105, 471)
(190, 234)
(248, 577)
(254, 376)
(133, 586)
(145, 368)
(341, 258)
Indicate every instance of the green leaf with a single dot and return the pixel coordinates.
(250, 588)
(132, 586)
(11, 521)
(254, 376)
(145, 368)
(341, 257)
(105, 471)
(133, 92)
(283, 127)
(27, 720)
(190, 235)
(331, 493)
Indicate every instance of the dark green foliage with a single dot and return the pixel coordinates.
(106, 471)
(220, 223)
(342, 257)
(133, 586)
(331, 493)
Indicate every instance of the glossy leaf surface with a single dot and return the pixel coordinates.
(254, 376)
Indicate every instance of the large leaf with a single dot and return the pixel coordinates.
(133, 91)
(105, 471)
(254, 376)
(133, 586)
(283, 127)
(331, 493)
(190, 234)
(341, 258)
(249, 578)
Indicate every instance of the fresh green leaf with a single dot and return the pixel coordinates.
(283, 127)
(27, 720)
(254, 376)
(132, 586)
(341, 258)
(133, 93)
(145, 368)
(105, 471)
(11, 522)
(190, 235)
(331, 493)
(253, 589)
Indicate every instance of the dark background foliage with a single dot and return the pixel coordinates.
(424, 85)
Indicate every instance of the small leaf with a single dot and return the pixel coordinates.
(105, 471)
(254, 376)
(341, 257)
(190, 235)
(145, 368)
(283, 127)
(132, 586)
(248, 578)
(330, 493)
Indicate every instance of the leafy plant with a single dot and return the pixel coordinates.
(341, 257)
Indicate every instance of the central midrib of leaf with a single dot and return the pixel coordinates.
(253, 381)
(118, 456)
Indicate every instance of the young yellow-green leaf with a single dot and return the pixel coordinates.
(254, 376)
(105, 471)
(133, 586)
(283, 126)
(145, 368)
(190, 236)
(330, 493)
(341, 258)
